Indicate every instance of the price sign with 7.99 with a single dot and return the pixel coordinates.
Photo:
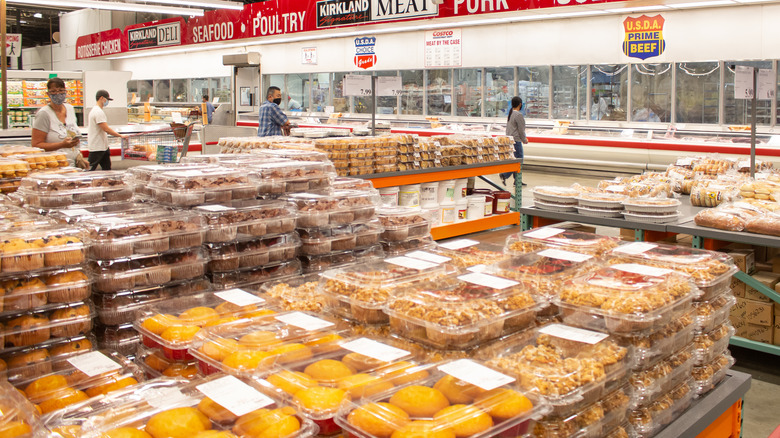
(389, 86)
(357, 85)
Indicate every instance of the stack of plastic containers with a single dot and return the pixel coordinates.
(139, 259)
(18, 417)
(711, 272)
(563, 238)
(337, 228)
(463, 254)
(45, 310)
(193, 187)
(274, 179)
(50, 190)
(12, 170)
(405, 229)
(250, 241)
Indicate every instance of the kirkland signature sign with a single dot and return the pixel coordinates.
(341, 12)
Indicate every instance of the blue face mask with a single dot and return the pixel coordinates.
(105, 103)
(58, 99)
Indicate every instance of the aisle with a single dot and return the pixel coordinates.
(760, 411)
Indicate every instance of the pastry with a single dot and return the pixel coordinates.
(19, 255)
(23, 294)
(71, 321)
(68, 287)
(31, 364)
(59, 252)
(27, 330)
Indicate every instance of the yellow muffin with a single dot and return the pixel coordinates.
(420, 401)
(378, 419)
(177, 423)
(464, 420)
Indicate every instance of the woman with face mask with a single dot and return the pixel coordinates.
(55, 127)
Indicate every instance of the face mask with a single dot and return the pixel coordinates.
(105, 104)
(58, 99)
(278, 101)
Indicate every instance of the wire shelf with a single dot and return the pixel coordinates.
(167, 145)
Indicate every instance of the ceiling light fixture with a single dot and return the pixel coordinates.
(629, 9)
(701, 4)
(112, 6)
(38, 15)
(204, 4)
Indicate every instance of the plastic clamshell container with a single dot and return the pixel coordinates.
(556, 195)
(251, 278)
(320, 241)
(154, 365)
(172, 325)
(292, 154)
(340, 207)
(187, 188)
(595, 420)
(144, 174)
(650, 419)
(625, 298)
(331, 371)
(79, 377)
(601, 201)
(45, 323)
(247, 218)
(251, 253)
(476, 405)
(295, 293)
(121, 235)
(243, 348)
(465, 253)
(147, 270)
(17, 415)
(334, 260)
(567, 365)
(708, 375)
(652, 205)
(54, 247)
(345, 183)
(79, 214)
(712, 313)
(46, 190)
(291, 176)
(597, 212)
(403, 223)
(39, 359)
(125, 307)
(233, 405)
(123, 338)
(660, 376)
(21, 292)
(411, 244)
(570, 240)
(709, 346)
(711, 271)
(462, 312)
(543, 272)
(360, 292)
(647, 347)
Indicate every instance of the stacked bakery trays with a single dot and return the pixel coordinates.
(363, 156)
(404, 229)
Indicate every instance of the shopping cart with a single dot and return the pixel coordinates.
(163, 145)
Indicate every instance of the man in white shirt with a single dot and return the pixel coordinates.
(97, 133)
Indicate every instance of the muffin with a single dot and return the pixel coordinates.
(72, 347)
(27, 330)
(68, 287)
(23, 294)
(19, 255)
(71, 321)
(87, 198)
(151, 246)
(64, 257)
(30, 364)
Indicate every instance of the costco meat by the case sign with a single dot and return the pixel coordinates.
(365, 56)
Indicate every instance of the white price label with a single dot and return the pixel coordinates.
(573, 333)
(743, 82)
(234, 395)
(743, 163)
(683, 162)
(215, 208)
(615, 188)
(477, 268)
(94, 363)
(408, 262)
(75, 212)
(767, 82)
(488, 280)
(428, 257)
(459, 244)
(375, 350)
(357, 85)
(635, 248)
(565, 255)
(389, 86)
(176, 117)
(167, 398)
(643, 270)
(476, 374)
(239, 297)
(544, 233)
(304, 321)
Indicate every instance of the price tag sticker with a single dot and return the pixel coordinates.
(176, 117)
(683, 162)
(375, 350)
(94, 363)
(357, 85)
(573, 333)
(428, 257)
(476, 374)
(75, 212)
(167, 398)
(239, 297)
(459, 244)
(565, 255)
(477, 268)
(487, 280)
(408, 262)
(635, 248)
(215, 208)
(304, 321)
(234, 395)
(643, 270)
(544, 233)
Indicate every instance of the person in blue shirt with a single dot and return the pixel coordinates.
(272, 120)
(209, 108)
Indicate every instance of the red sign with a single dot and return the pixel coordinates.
(109, 42)
(218, 25)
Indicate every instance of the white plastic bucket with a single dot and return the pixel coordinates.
(461, 208)
(409, 196)
(446, 191)
(449, 213)
(476, 207)
(389, 196)
(429, 194)
(460, 188)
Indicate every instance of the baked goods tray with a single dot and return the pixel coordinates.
(652, 219)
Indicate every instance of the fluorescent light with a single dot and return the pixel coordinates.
(205, 4)
(701, 4)
(629, 10)
(113, 6)
(576, 14)
(38, 15)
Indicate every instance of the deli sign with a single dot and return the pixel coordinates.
(158, 35)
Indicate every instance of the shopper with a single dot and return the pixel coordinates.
(98, 132)
(515, 128)
(293, 105)
(272, 120)
(209, 108)
(55, 127)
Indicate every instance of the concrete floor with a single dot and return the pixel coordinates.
(761, 406)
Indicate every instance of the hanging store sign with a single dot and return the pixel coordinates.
(217, 25)
(341, 12)
(157, 35)
(365, 56)
(443, 48)
(644, 36)
(105, 43)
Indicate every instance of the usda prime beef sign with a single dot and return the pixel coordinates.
(160, 35)
(340, 12)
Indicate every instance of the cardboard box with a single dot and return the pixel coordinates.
(744, 259)
(627, 234)
(738, 287)
(776, 307)
(759, 252)
(753, 312)
(768, 279)
(684, 240)
(763, 267)
(776, 264)
(776, 332)
(760, 333)
(772, 252)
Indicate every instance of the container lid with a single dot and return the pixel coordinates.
(51, 247)
(309, 203)
(145, 173)
(402, 217)
(462, 253)
(556, 192)
(44, 318)
(570, 240)
(251, 277)
(74, 182)
(296, 293)
(291, 170)
(25, 291)
(389, 273)
(292, 154)
(155, 224)
(204, 179)
(17, 414)
(652, 202)
(344, 183)
(78, 214)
